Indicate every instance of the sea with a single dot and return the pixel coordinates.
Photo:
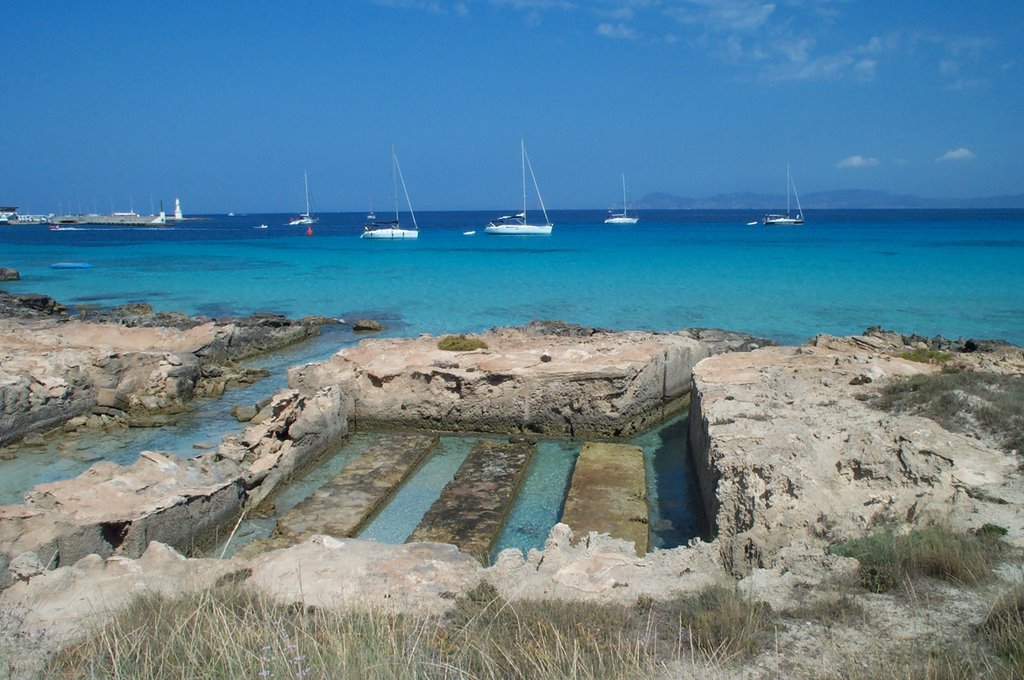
(956, 273)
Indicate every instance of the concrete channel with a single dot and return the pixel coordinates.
(608, 493)
(471, 509)
(345, 504)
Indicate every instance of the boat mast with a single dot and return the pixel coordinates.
(522, 152)
(305, 177)
(789, 183)
(394, 157)
(536, 188)
(623, 194)
(394, 181)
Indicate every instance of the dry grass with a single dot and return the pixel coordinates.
(228, 632)
(964, 401)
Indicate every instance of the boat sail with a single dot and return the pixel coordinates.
(518, 225)
(306, 217)
(623, 217)
(787, 219)
(392, 229)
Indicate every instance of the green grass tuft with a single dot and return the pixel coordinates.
(889, 561)
(927, 356)
(460, 343)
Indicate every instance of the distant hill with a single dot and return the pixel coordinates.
(847, 198)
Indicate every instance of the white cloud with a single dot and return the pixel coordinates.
(620, 31)
(960, 154)
(857, 161)
(724, 15)
(865, 69)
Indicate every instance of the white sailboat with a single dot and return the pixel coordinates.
(622, 217)
(518, 225)
(787, 219)
(306, 217)
(393, 229)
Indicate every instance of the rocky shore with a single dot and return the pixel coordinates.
(792, 451)
(122, 367)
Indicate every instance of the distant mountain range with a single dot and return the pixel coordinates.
(850, 198)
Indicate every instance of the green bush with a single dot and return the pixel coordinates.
(460, 343)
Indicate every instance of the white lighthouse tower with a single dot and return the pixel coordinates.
(177, 210)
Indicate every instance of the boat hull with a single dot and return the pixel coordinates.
(390, 234)
(622, 220)
(518, 229)
(781, 221)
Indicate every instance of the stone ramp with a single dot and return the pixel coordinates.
(608, 493)
(344, 505)
(472, 507)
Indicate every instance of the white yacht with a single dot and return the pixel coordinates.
(392, 229)
(787, 219)
(518, 225)
(306, 217)
(624, 216)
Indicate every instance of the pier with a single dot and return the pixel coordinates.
(472, 507)
(344, 505)
(609, 493)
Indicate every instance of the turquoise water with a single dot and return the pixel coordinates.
(931, 272)
(955, 273)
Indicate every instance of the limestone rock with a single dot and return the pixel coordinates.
(788, 448)
(575, 383)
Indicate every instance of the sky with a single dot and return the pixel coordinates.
(118, 105)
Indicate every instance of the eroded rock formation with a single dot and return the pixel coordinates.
(549, 378)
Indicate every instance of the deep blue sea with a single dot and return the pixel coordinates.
(954, 273)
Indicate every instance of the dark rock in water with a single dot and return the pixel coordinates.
(9, 274)
(29, 305)
(367, 325)
(719, 340)
(562, 329)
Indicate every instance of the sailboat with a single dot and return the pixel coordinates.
(393, 229)
(786, 219)
(304, 218)
(623, 217)
(518, 225)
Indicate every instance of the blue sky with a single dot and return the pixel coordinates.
(225, 104)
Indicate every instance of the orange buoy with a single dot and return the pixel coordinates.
(309, 231)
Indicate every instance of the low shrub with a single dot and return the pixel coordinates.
(889, 561)
(460, 343)
(927, 356)
(964, 401)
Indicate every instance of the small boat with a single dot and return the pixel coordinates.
(469, 233)
(622, 217)
(392, 229)
(70, 265)
(517, 225)
(786, 219)
(260, 226)
(750, 224)
(306, 217)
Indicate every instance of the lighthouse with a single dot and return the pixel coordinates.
(177, 210)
